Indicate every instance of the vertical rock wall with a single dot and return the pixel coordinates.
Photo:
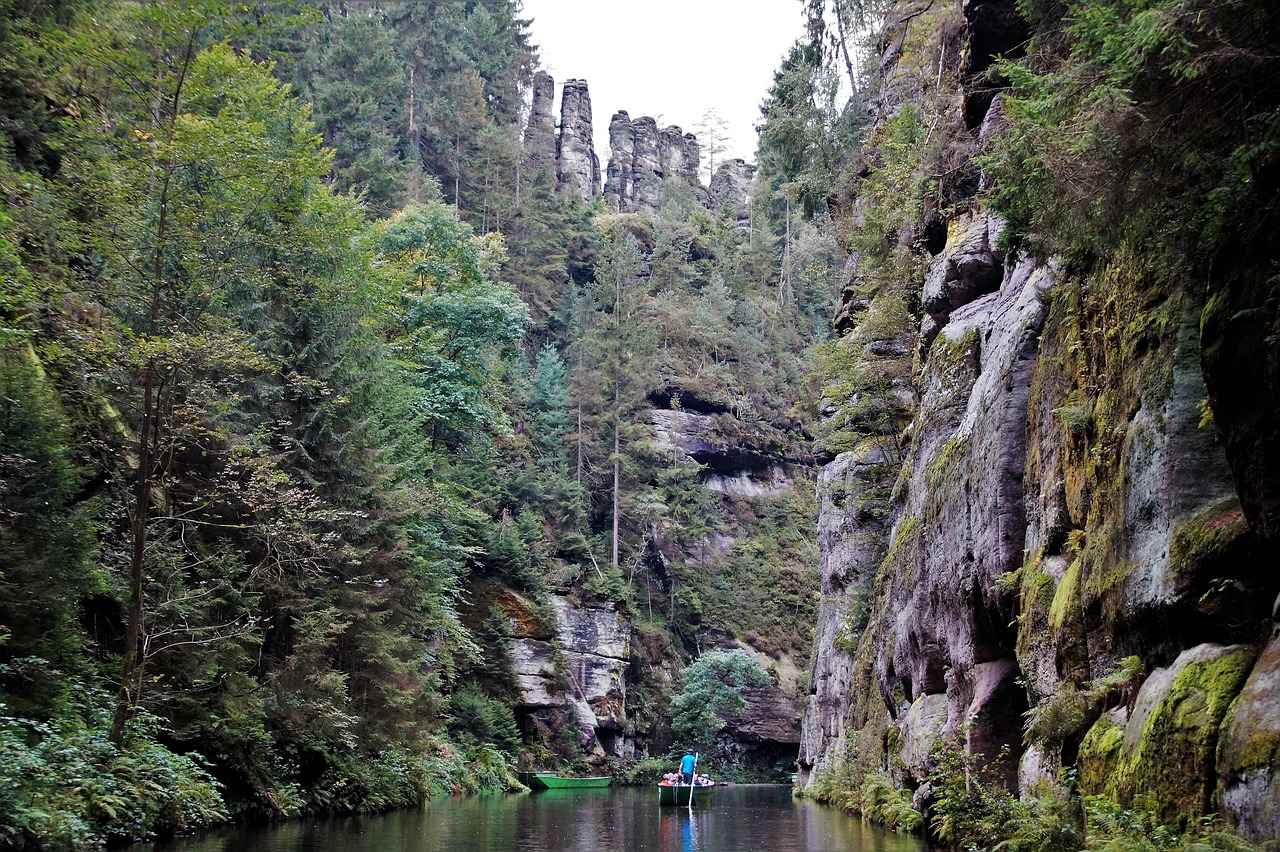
(1068, 573)
(577, 670)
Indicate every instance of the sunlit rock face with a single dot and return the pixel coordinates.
(578, 167)
(578, 666)
(597, 643)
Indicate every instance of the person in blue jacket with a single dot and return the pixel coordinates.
(687, 764)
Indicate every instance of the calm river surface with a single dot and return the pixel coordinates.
(755, 818)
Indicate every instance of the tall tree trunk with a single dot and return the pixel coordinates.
(149, 430)
(415, 186)
(617, 413)
(127, 695)
(784, 279)
(617, 476)
(844, 46)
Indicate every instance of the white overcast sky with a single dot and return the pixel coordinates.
(670, 59)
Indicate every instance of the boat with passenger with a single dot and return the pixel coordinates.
(673, 791)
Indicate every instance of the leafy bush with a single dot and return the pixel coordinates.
(63, 783)
(1070, 711)
(647, 771)
(476, 717)
(481, 768)
(1112, 828)
(971, 812)
(884, 803)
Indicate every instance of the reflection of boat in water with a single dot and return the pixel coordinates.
(678, 794)
(553, 781)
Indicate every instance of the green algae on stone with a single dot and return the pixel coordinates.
(1248, 758)
(1166, 749)
(1205, 541)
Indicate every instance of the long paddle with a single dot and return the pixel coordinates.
(693, 778)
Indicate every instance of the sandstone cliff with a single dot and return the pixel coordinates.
(642, 157)
(1071, 569)
(577, 165)
(567, 149)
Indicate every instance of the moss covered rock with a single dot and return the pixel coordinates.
(1249, 751)
(1164, 750)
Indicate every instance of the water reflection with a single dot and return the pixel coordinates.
(741, 818)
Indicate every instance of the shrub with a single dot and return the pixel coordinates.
(63, 783)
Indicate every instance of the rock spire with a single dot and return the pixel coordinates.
(577, 165)
(642, 157)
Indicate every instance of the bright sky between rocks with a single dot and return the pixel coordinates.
(670, 59)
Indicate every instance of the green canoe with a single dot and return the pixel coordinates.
(679, 795)
(552, 781)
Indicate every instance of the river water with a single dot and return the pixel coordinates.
(749, 818)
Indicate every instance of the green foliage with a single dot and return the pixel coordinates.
(645, 772)
(65, 784)
(476, 719)
(972, 812)
(46, 532)
(256, 454)
(713, 688)
(1090, 158)
(455, 322)
(1069, 712)
(1111, 828)
(883, 803)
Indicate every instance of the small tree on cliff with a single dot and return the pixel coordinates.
(713, 688)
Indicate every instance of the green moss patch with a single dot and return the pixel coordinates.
(1203, 544)
(1170, 759)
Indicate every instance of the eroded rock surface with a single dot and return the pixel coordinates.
(642, 157)
(580, 666)
(540, 130)
(578, 166)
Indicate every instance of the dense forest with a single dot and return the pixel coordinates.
(330, 410)
(316, 386)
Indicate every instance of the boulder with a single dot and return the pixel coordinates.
(1248, 759)
(1164, 748)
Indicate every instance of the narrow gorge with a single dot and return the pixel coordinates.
(369, 434)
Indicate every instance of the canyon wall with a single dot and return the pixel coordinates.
(1063, 562)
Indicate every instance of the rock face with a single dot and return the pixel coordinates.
(540, 132)
(851, 536)
(1248, 756)
(1079, 568)
(730, 185)
(580, 668)
(577, 166)
(642, 157)
(1165, 745)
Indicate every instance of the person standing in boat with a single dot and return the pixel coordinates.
(688, 764)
